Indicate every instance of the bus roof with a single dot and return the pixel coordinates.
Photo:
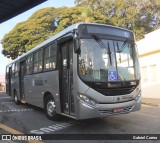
(60, 34)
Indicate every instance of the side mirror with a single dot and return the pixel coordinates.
(76, 43)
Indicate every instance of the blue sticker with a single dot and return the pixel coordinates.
(112, 75)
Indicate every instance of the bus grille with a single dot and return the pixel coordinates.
(116, 91)
(110, 112)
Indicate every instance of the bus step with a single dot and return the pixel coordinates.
(23, 101)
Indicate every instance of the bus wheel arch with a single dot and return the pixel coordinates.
(50, 107)
(16, 100)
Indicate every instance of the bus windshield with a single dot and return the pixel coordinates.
(104, 60)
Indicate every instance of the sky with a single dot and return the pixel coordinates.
(7, 26)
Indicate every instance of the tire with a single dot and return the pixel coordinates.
(50, 109)
(16, 98)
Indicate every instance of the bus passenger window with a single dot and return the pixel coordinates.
(16, 69)
(50, 57)
(37, 61)
(29, 63)
(13, 70)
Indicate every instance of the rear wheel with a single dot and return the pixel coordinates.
(16, 98)
(50, 109)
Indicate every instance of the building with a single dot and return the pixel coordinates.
(149, 57)
(2, 82)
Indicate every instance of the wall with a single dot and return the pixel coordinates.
(149, 57)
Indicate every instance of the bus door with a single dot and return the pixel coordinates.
(9, 80)
(66, 78)
(22, 74)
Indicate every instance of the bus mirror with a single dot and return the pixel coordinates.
(76, 43)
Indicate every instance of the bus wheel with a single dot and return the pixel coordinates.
(16, 98)
(50, 109)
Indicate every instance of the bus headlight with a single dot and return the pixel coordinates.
(87, 100)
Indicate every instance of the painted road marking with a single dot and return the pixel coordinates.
(13, 131)
(7, 102)
(5, 97)
(53, 128)
(10, 130)
(16, 110)
(150, 104)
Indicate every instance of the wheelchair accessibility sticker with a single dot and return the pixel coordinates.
(112, 75)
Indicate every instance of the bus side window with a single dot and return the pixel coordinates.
(50, 56)
(29, 64)
(37, 64)
(13, 70)
(7, 73)
(16, 69)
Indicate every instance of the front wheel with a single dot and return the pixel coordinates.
(50, 109)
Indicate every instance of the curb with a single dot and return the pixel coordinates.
(2, 93)
(151, 104)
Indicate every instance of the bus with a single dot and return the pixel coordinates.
(88, 70)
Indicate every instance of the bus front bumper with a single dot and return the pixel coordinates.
(87, 111)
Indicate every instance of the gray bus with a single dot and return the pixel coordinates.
(88, 70)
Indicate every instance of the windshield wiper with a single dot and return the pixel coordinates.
(102, 45)
(109, 53)
(123, 46)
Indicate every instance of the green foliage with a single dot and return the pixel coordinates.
(40, 26)
(139, 16)
(26, 35)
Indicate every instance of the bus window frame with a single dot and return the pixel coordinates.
(33, 72)
(31, 54)
(13, 70)
(16, 69)
(56, 63)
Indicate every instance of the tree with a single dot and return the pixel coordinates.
(40, 26)
(26, 35)
(139, 16)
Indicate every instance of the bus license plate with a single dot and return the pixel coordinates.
(118, 110)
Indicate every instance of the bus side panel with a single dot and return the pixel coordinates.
(36, 85)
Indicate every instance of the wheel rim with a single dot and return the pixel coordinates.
(51, 108)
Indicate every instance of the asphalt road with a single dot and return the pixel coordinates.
(26, 119)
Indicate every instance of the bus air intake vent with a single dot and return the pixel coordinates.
(115, 91)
